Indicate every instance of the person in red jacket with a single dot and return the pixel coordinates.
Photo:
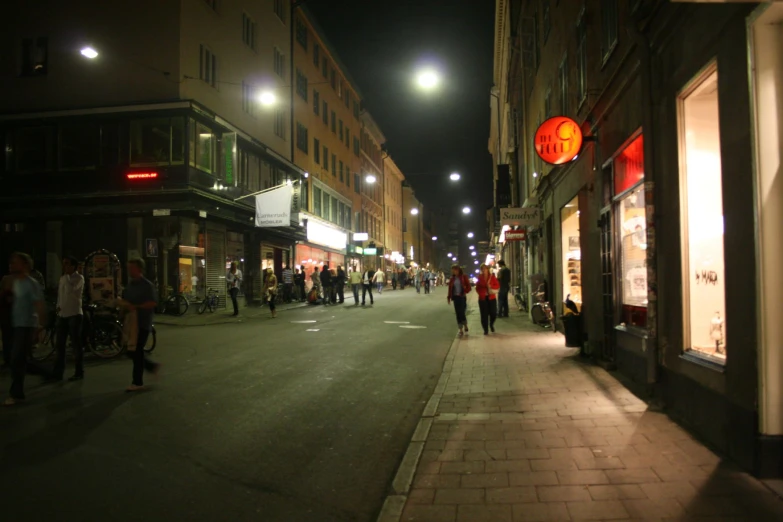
(459, 288)
(487, 288)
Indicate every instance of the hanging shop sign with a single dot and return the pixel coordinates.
(558, 140)
(324, 235)
(520, 216)
(161, 212)
(229, 141)
(361, 236)
(273, 207)
(515, 235)
(371, 251)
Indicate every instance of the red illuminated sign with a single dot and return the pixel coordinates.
(558, 140)
(142, 175)
(515, 235)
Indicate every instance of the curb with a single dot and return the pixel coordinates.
(228, 320)
(403, 479)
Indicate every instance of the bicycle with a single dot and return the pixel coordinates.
(175, 304)
(210, 302)
(520, 300)
(541, 312)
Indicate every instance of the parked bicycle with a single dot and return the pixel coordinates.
(102, 334)
(210, 302)
(520, 300)
(541, 312)
(177, 303)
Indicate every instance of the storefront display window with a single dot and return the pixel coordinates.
(192, 263)
(203, 143)
(572, 252)
(632, 229)
(701, 197)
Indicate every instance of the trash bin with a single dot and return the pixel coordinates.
(572, 326)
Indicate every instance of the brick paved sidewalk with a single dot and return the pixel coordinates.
(525, 430)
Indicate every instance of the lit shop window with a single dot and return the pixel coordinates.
(632, 232)
(701, 203)
(572, 252)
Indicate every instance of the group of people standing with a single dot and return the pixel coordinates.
(418, 277)
(329, 284)
(23, 313)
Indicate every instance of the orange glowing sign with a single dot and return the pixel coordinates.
(142, 175)
(558, 140)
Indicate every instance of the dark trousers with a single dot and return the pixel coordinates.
(302, 293)
(365, 289)
(341, 291)
(271, 300)
(140, 360)
(489, 311)
(460, 308)
(69, 327)
(288, 289)
(234, 292)
(427, 286)
(503, 303)
(22, 345)
(8, 340)
(328, 290)
(394, 284)
(355, 289)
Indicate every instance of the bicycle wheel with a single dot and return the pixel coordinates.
(212, 304)
(152, 341)
(519, 302)
(108, 339)
(203, 306)
(45, 345)
(177, 305)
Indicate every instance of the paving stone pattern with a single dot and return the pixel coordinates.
(528, 431)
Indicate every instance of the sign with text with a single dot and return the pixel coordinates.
(230, 156)
(520, 217)
(515, 235)
(558, 140)
(273, 207)
(325, 235)
(370, 251)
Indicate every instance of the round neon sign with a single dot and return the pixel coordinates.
(558, 140)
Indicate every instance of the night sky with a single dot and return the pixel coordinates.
(383, 43)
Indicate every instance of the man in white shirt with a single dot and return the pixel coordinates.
(69, 319)
(379, 280)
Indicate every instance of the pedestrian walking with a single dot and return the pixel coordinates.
(288, 283)
(487, 288)
(459, 288)
(394, 279)
(356, 283)
(28, 315)
(326, 284)
(69, 320)
(299, 285)
(367, 285)
(139, 300)
(426, 277)
(504, 278)
(234, 281)
(340, 284)
(380, 280)
(315, 277)
(270, 291)
(417, 279)
(6, 324)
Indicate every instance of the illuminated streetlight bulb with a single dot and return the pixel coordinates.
(414, 211)
(434, 238)
(454, 176)
(89, 52)
(475, 262)
(470, 234)
(471, 247)
(267, 98)
(428, 79)
(466, 210)
(473, 253)
(477, 270)
(370, 179)
(450, 254)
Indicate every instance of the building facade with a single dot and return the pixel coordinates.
(665, 227)
(147, 149)
(392, 186)
(412, 226)
(372, 216)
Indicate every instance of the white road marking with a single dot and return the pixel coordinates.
(302, 322)
(313, 330)
(413, 326)
(397, 322)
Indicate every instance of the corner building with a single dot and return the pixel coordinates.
(665, 229)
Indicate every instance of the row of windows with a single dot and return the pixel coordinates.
(337, 125)
(326, 205)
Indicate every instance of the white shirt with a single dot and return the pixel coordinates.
(234, 279)
(378, 277)
(69, 295)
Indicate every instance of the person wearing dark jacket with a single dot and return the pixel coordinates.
(367, 285)
(459, 288)
(504, 278)
(326, 284)
(339, 284)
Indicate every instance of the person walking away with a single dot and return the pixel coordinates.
(417, 279)
(459, 288)
(326, 284)
(340, 284)
(394, 279)
(487, 288)
(333, 291)
(6, 305)
(379, 279)
(356, 283)
(315, 277)
(270, 292)
(504, 278)
(298, 294)
(426, 278)
(28, 315)
(139, 299)
(69, 320)
(288, 283)
(367, 285)
(234, 280)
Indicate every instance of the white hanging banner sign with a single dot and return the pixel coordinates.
(521, 217)
(273, 208)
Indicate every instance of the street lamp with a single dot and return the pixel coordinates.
(428, 79)
(454, 176)
(475, 262)
(471, 247)
(470, 234)
(449, 254)
(89, 52)
(473, 253)
(414, 211)
(466, 210)
(434, 238)
(370, 179)
(267, 98)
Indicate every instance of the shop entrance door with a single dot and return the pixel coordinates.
(607, 284)
(216, 264)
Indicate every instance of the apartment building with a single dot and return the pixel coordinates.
(327, 128)
(393, 211)
(142, 146)
(372, 214)
(664, 228)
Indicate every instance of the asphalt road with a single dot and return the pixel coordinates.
(262, 420)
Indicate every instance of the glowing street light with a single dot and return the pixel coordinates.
(414, 211)
(454, 176)
(370, 179)
(466, 210)
(428, 79)
(471, 247)
(475, 262)
(89, 52)
(473, 253)
(477, 270)
(267, 98)
(470, 234)
(434, 238)
(449, 254)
